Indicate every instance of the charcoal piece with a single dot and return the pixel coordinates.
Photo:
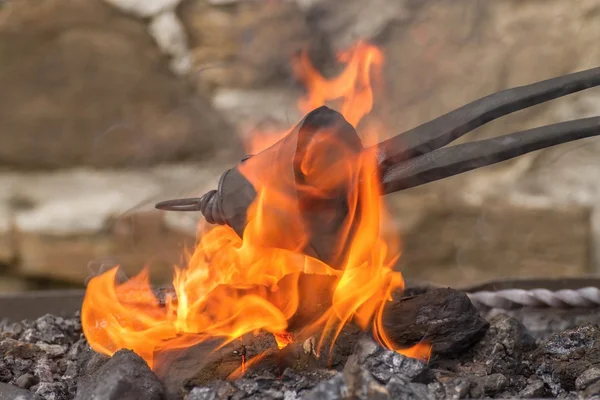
(383, 364)
(204, 363)
(19, 358)
(493, 384)
(469, 386)
(10, 392)
(444, 317)
(6, 374)
(355, 383)
(502, 348)
(89, 361)
(303, 382)
(77, 349)
(534, 390)
(52, 350)
(458, 388)
(26, 381)
(51, 390)
(126, 376)
(10, 330)
(331, 389)
(264, 386)
(51, 329)
(565, 356)
(400, 389)
(361, 385)
(592, 391)
(215, 391)
(18, 349)
(543, 323)
(587, 378)
(202, 393)
(291, 385)
(44, 369)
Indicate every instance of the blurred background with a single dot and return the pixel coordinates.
(107, 106)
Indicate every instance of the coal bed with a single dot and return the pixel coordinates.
(524, 353)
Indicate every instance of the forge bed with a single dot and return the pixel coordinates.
(478, 352)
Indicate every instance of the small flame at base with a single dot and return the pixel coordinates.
(233, 286)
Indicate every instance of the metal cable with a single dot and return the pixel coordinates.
(508, 299)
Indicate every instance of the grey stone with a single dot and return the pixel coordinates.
(10, 392)
(163, 122)
(126, 376)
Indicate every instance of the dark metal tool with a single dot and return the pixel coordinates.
(410, 159)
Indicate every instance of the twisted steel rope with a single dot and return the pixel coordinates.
(508, 299)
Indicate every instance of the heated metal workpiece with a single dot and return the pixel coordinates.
(417, 156)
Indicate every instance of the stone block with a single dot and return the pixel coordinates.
(85, 84)
(462, 245)
(75, 224)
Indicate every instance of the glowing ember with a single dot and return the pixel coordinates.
(233, 286)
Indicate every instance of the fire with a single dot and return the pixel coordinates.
(352, 88)
(234, 286)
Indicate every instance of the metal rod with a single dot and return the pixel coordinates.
(443, 130)
(188, 204)
(454, 160)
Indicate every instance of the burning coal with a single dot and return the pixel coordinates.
(237, 284)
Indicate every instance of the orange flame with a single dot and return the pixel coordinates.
(233, 286)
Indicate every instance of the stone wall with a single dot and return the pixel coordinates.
(109, 105)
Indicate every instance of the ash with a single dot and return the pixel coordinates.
(518, 357)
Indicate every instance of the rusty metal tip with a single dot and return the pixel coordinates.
(189, 204)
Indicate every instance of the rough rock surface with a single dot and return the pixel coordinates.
(452, 242)
(71, 225)
(93, 89)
